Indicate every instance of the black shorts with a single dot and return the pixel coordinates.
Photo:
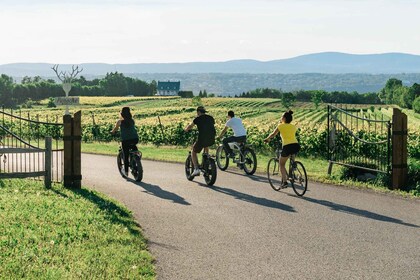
(290, 149)
(199, 145)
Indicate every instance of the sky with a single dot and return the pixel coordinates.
(146, 31)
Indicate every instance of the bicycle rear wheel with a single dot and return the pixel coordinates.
(210, 174)
(274, 174)
(120, 163)
(189, 168)
(299, 179)
(136, 168)
(222, 158)
(250, 161)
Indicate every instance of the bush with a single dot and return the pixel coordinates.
(51, 103)
(416, 105)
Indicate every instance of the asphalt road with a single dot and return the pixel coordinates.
(242, 229)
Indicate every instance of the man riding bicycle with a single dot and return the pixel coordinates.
(206, 135)
(239, 132)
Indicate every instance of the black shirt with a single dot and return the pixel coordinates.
(206, 130)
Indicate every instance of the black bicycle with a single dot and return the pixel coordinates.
(207, 168)
(134, 159)
(296, 174)
(245, 157)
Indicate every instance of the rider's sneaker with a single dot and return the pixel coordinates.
(231, 155)
(196, 172)
(283, 185)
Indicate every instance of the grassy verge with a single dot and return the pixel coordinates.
(64, 234)
(316, 168)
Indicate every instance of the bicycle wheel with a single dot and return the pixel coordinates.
(136, 168)
(299, 179)
(211, 172)
(222, 159)
(250, 161)
(274, 174)
(189, 168)
(120, 163)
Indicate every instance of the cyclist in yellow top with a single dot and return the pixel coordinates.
(289, 142)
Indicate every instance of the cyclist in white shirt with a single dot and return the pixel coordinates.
(239, 132)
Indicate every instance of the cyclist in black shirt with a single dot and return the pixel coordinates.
(206, 135)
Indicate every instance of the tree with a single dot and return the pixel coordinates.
(6, 90)
(114, 84)
(287, 99)
(317, 97)
(387, 93)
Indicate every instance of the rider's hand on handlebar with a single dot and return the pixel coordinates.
(266, 140)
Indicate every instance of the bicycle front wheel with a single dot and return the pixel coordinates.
(274, 174)
(222, 159)
(250, 161)
(211, 172)
(189, 168)
(299, 179)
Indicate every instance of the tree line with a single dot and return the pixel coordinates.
(37, 88)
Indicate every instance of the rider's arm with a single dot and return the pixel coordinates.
(188, 127)
(274, 133)
(117, 126)
(223, 132)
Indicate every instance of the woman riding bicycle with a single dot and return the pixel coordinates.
(129, 136)
(289, 141)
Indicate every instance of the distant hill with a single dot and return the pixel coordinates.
(327, 62)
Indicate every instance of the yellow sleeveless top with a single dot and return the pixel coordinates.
(287, 133)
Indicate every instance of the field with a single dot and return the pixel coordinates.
(260, 117)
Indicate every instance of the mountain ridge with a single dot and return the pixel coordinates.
(324, 62)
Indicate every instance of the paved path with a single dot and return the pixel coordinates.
(242, 229)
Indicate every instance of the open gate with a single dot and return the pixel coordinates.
(31, 147)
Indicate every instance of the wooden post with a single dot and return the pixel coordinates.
(67, 120)
(48, 159)
(72, 150)
(399, 149)
(77, 152)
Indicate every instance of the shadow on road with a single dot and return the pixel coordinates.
(256, 178)
(159, 192)
(252, 199)
(358, 212)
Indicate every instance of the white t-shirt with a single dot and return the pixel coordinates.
(237, 127)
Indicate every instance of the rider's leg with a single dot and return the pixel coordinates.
(283, 161)
(126, 149)
(226, 142)
(206, 150)
(194, 159)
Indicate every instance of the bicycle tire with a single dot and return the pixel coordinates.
(299, 179)
(189, 168)
(120, 163)
(210, 174)
(273, 174)
(222, 159)
(137, 168)
(250, 164)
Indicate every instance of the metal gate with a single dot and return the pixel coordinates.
(23, 146)
(359, 138)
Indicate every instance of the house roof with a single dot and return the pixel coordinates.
(168, 85)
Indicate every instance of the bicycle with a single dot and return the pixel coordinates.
(245, 157)
(207, 168)
(134, 159)
(296, 174)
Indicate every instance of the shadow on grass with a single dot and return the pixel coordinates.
(115, 213)
(159, 192)
(358, 212)
(251, 199)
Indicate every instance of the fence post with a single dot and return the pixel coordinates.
(67, 121)
(77, 152)
(399, 149)
(48, 158)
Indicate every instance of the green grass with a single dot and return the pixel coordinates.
(64, 234)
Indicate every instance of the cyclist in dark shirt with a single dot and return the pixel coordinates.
(129, 136)
(206, 135)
